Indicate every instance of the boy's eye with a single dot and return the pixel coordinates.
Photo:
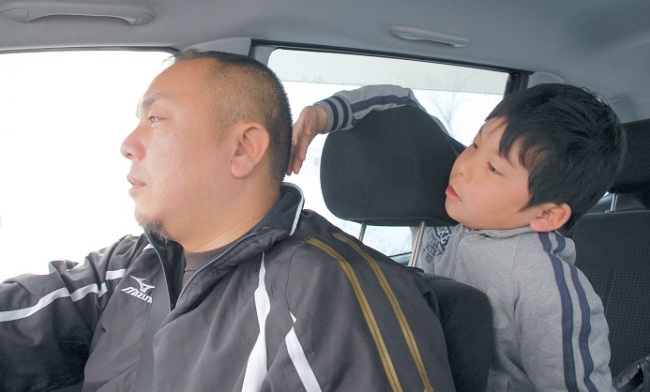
(493, 169)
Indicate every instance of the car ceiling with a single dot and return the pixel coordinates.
(601, 44)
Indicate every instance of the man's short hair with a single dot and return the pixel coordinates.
(247, 90)
(569, 140)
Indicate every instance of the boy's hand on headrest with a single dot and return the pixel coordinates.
(311, 121)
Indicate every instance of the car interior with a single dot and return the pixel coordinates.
(461, 57)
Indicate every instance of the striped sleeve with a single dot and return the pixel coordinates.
(98, 290)
(563, 331)
(346, 108)
(47, 321)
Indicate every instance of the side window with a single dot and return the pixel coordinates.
(460, 97)
(63, 180)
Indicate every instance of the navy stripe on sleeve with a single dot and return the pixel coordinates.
(570, 378)
(585, 326)
(335, 113)
(346, 115)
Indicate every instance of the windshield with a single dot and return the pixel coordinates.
(64, 188)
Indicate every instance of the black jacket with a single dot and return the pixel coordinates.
(294, 305)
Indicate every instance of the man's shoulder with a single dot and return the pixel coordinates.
(321, 258)
(317, 243)
(314, 232)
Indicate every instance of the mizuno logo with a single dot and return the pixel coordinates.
(143, 286)
(140, 293)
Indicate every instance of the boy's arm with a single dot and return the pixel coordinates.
(341, 112)
(346, 108)
(47, 321)
(562, 329)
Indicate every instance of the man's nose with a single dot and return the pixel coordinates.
(131, 147)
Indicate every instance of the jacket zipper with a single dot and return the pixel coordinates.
(211, 262)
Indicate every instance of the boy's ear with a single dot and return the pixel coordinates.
(550, 217)
(253, 141)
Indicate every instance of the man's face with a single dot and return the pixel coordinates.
(177, 161)
(486, 190)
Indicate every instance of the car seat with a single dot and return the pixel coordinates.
(613, 251)
(392, 169)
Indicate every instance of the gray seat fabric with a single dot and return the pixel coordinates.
(613, 251)
(392, 170)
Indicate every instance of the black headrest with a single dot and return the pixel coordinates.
(391, 169)
(635, 176)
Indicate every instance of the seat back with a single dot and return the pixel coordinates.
(613, 251)
(392, 169)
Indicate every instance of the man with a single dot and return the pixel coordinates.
(263, 296)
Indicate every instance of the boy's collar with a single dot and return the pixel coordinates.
(499, 233)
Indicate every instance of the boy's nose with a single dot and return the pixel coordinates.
(462, 168)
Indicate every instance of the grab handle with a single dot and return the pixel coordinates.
(31, 10)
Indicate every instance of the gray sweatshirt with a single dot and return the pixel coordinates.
(550, 329)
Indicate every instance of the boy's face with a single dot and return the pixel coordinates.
(486, 190)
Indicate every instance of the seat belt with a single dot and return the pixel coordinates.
(160, 308)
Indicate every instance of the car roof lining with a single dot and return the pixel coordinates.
(581, 43)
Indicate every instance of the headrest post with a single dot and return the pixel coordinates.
(362, 231)
(418, 244)
(612, 206)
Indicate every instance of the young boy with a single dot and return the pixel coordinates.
(542, 159)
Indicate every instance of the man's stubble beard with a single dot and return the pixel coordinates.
(152, 226)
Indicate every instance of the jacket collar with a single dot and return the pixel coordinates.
(279, 223)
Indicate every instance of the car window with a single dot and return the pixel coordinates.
(62, 178)
(65, 114)
(461, 97)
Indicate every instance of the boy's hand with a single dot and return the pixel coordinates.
(311, 121)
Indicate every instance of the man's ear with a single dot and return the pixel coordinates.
(253, 141)
(550, 216)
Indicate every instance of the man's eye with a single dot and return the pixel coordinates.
(153, 119)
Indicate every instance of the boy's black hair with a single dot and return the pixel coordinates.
(571, 143)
